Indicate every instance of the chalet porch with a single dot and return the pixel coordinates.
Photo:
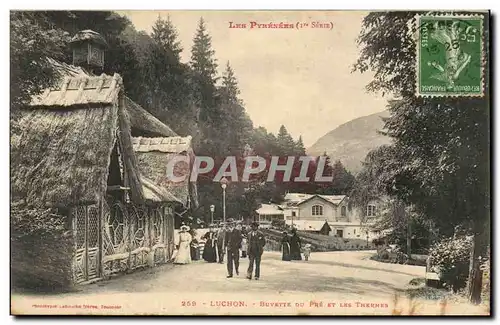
(120, 237)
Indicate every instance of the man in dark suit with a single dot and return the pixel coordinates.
(256, 243)
(233, 244)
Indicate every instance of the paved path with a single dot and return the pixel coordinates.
(330, 283)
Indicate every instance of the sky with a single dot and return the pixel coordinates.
(300, 78)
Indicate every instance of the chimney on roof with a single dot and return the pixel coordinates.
(88, 51)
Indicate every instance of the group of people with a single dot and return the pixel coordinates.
(216, 243)
(230, 240)
(291, 247)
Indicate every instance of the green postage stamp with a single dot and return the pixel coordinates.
(450, 55)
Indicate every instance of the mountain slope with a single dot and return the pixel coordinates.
(351, 141)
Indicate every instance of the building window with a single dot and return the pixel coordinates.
(294, 214)
(355, 231)
(317, 210)
(343, 211)
(370, 210)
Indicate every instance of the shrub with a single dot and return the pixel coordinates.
(279, 224)
(41, 249)
(451, 257)
(486, 290)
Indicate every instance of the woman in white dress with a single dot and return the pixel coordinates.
(184, 251)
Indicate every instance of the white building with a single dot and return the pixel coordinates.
(267, 213)
(304, 210)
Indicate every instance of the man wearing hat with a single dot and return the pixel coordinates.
(233, 244)
(256, 243)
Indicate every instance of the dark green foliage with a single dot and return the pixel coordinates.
(32, 41)
(285, 142)
(41, 249)
(280, 224)
(420, 237)
(299, 147)
(451, 256)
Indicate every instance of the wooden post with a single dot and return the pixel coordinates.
(408, 239)
(126, 218)
(100, 253)
(86, 253)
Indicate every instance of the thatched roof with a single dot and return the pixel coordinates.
(145, 124)
(61, 144)
(174, 144)
(155, 193)
(142, 122)
(89, 35)
(153, 155)
(81, 90)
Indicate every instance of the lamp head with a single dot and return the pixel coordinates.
(224, 182)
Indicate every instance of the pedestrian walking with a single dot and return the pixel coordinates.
(307, 251)
(209, 251)
(295, 244)
(285, 247)
(233, 245)
(221, 238)
(256, 243)
(184, 252)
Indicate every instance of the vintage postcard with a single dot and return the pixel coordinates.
(250, 163)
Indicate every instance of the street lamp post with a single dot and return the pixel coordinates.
(212, 209)
(223, 183)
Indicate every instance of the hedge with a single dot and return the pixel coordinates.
(451, 257)
(41, 249)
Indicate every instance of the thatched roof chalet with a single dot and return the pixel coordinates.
(62, 143)
(142, 123)
(153, 155)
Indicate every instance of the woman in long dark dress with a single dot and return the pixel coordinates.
(285, 247)
(295, 245)
(209, 252)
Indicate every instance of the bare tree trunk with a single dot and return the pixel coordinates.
(475, 281)
(408, 239)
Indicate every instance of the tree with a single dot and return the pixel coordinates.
(202, 82)
(118, 32)
(343, 180)
(442, 143)
(32, 41)
(234, 126)
(204, 66)
(165, 34)
(164, 74)
(285, 142)
(300, 150)
(230, 90)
